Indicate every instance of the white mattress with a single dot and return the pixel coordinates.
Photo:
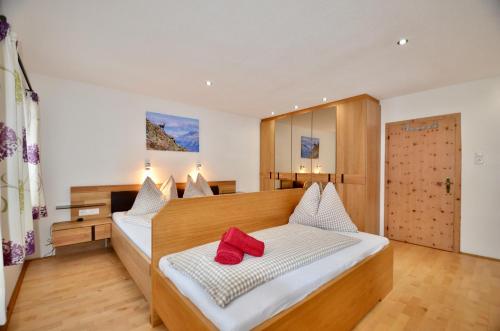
(267, 300)
(136, 228)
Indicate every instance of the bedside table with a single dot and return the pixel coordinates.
(73, 232)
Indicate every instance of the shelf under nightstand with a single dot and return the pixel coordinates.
(75, 232)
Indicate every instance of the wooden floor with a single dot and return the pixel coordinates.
(433, 290)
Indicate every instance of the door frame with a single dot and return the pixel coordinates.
(457, 197)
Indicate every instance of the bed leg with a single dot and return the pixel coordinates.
(154, 318)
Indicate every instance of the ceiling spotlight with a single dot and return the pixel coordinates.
(272, 113)
(209, 83)
(296, 107)
(402, 41)
(324, 99)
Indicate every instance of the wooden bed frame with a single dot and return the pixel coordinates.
(135, 261)
(339, 304)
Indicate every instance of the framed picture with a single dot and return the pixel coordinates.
(309, 147)
(172, 133)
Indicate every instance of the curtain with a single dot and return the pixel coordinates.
(21, 191)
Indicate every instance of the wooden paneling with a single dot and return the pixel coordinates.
(177, 310)
(420, 155)
(373, 136)
(351, 138)
(358, 161)
(285, 175)
(135, 261)
(352, 160)
(81, 195)
(71, 236)
(73, 232)
(102, 231)
(324, 106)
(77, 224)
(266, 156)
(323, 178)
(303, 177)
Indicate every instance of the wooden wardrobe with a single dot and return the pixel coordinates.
(347, 135)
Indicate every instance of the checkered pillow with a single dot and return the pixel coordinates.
(308, 207)
(149, 199)
(324, 212)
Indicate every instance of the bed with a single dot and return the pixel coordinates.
(332, 293)
(130, 238)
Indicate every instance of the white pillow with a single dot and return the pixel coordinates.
(192, 189)
(148, 200)
(169, 189)
(324, 211)
(203, 185)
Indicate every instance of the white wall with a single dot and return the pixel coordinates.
(92, 135)
(12, 274)
(479, 104)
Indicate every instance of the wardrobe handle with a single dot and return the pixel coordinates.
(342, 178)
(448, 184)
(270, 175)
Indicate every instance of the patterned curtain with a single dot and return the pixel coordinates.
(21, 190)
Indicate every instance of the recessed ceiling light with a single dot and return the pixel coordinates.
(296, 107)
(324, 99)
(209, 83)
(402, 41)
(272, 113)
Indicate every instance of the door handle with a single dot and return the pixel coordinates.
(448, 184)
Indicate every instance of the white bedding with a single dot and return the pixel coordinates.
(269, 299)
(137, 229)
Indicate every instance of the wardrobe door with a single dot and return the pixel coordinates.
(324, 128)
(267, 155)
(283, 153)
(304, 147)
(351, 159)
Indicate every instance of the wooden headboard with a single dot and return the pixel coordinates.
(87, 195)
(185, 223)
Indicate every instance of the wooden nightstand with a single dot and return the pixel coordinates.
(73, 232)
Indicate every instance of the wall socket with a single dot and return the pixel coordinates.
(88, 212)
(478, 158)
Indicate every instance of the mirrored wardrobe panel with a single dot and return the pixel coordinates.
(304, 148)
(283, 152)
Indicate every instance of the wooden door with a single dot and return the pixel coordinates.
(351, 159)
(422, 176)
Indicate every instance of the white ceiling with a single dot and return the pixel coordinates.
(262, 55)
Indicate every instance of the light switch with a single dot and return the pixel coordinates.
(478, 158)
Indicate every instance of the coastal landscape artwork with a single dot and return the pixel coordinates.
(309, 147)
(172, 133)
